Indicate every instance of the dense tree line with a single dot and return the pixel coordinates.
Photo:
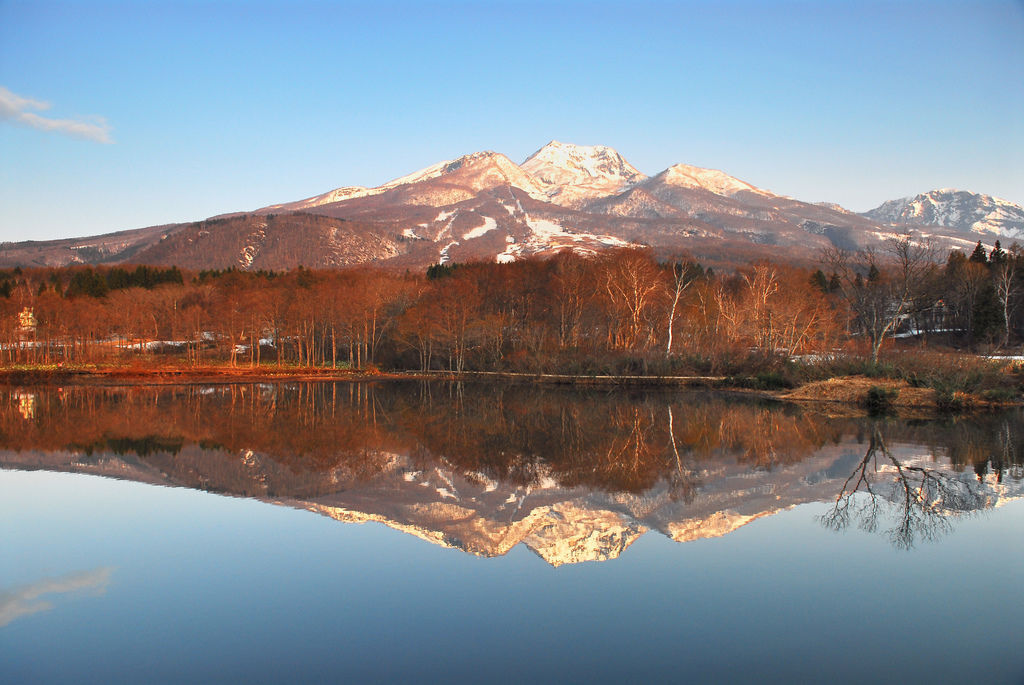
(969, 301)
(620, 311)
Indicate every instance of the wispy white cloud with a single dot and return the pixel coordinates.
(19, 110)
(26, 600)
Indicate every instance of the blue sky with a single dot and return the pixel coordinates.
(175, 111)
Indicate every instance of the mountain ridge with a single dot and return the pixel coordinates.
(483, 206)
(953, 208)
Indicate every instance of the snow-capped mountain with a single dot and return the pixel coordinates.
(437, 185)
(679, 191)
(712, 180)
(571, 174)
(956, 209)
(734, 209)
(482, 206)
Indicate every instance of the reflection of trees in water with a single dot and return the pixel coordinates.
(626, 442)
(918, 501)
(991, 446)
(299, 439)
(267, 440)
(683, 480)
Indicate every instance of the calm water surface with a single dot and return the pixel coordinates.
(438, 533)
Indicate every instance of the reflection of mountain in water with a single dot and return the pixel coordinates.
(567, 525)
(574, 476)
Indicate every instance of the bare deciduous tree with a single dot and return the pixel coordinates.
(1007, 286)
(879, 286)
(683, 275)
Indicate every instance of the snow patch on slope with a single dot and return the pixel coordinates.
(445, 257)
(550, 236)
(254, 241)
(545, 230)
(488, 226)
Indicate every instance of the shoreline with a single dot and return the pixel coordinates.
(844, 393)
(199, 374)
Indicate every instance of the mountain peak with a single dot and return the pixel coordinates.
(712, 180)
(446, 167)
(558, 146)
(574, 173)
(472, 172)
(583, 162)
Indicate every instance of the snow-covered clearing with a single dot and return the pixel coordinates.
(488, 226)
(549, 235)
(445, 258)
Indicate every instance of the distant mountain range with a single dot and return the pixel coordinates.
(955, 209)
(483, 206)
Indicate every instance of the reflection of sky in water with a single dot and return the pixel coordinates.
(35, 597)
(211, 588)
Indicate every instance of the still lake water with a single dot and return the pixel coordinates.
(405, 532)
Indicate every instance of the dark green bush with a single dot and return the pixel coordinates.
(947, 401)
(881, 370)
(1001, 394)
(879, 400)
(765, 380)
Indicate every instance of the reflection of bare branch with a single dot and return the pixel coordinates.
(628, 452)
(919, 494)
(840, 516)
(920, 499)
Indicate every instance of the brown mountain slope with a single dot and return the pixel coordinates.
(104, 249)
(274, 242)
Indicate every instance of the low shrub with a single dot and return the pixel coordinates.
(950, 373)
(950, 402)
(881, 370)
(880, 400)
(840, 366)
(765, 380)
(1001, 394)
